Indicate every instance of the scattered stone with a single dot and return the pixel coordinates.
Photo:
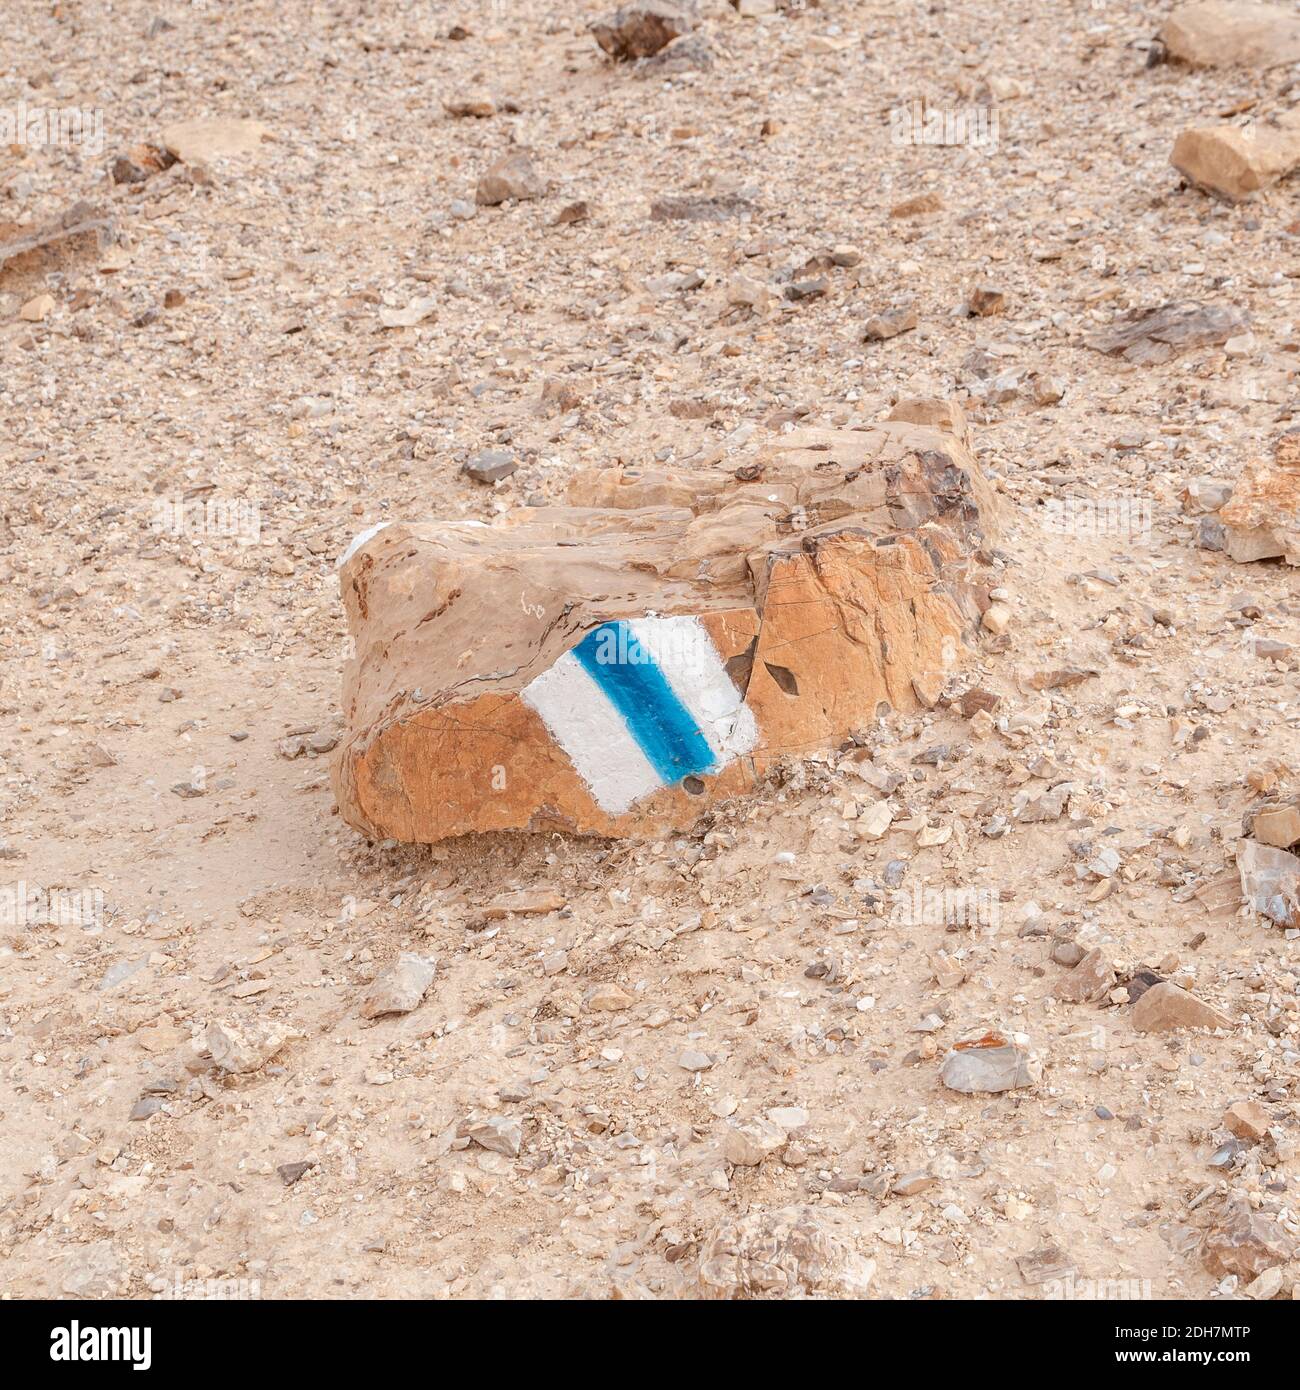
(783, 1254)
(415, 312)
(1237, 162)
(1244, 1242)
(222, 137)
(79, 221)
(1089, 981)
(748, 1144)
(1164, 1007)
(1270, 882)
(983, 302)
(1247, 1120)
(1278, 826)
(528, 902)
(478, 105)
(1147, 337)
(1268, 1285)
(890, 324)
(986, 1065)
(400, 988)
(242, 1049)
(1045, 1264)
(37, 309)
(572, 212)
(640, 30)
(917, 207)
(608, 997)
(689, 208)
(513, 176)
(694, 1060)
(291, 1172)
(499, 1134)
(1232, 33)
(1261, 520)
(490, 465)
(851, 610)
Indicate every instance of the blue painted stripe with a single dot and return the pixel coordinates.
(631, 681)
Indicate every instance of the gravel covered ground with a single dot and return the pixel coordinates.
(202, 404)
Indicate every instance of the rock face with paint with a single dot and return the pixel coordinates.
(615, 665)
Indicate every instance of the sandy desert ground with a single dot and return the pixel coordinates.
(170, 697)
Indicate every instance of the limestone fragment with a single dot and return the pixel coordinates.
(783, 1254)
(1165, 1007)
(223, 137)
(615, 665)
(986, 1065)
(513, 176)
(500, 1134)
(1261, 520)
(1090, 980)
(400, 988)
(1244, 1242)
(1277, 825)
(1232, 33)
(1235, 161)
(640, 30)
(1270, 881)
(1147, 337)
(242, 1049)
(1247, 1119)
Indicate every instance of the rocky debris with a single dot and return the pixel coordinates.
(407, 317)
(890, 324)
(1048, 1262)
(476, 105)
(617, 664)
(1247, 1119)
(984, 301)
(748, 1144)
(1146, 337)
(783, 1254)
(527, 902)
(1244, 1242)
(242, 1048)
(1278, 826)
(400, 988)
(37, 309)
(640, 30)
(918, 206)
(491, 465)
(608, 997)
(291, 1172)
(1270, 881)
(499, 1134)
(512, 176)
(721, 207)
(1165, 1007)
(1232, 33)
(1236, 162)
(95, 1270)
(694, 1060)
(1091, 979)
(578, 211)
(1261, 520)
(988, 1064)
(82, 220)
(140, 163)
(221, 137)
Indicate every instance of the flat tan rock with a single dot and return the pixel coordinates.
(1236, 162)
(616, 665)
(201, 141)
(1166, 1007)
(1232, 33)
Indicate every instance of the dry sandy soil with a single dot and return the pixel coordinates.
(150, 679)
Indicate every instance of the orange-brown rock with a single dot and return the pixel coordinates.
(1237, 161)
(1232, 33)
(1261, 520)
(615, 665)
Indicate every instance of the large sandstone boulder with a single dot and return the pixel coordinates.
(1232, 33)
(616, 665)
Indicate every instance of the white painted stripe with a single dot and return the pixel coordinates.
(592, 732)
(684, 652)
(359, 541)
